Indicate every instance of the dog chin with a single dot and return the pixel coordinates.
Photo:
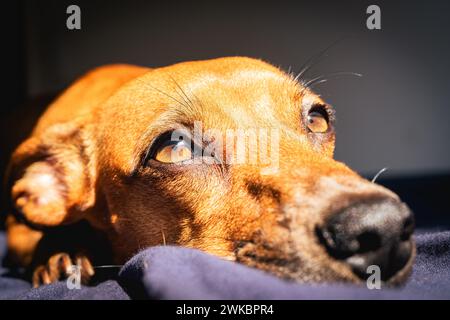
(397, 280)
(304, 272)
(402, 275)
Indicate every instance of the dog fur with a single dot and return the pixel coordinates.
(82, 169)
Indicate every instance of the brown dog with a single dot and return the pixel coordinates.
(103, 158)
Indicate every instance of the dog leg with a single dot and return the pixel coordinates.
(22, 242)
(49, 256)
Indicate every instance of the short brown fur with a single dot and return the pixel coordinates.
(83, 162)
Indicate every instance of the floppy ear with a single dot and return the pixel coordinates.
(51, 176)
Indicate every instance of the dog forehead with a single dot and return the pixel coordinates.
(225, 93)
(228, 92)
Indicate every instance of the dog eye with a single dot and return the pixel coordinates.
(317, 121)
(174, 151)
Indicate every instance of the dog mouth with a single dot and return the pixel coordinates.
(401, 275)
(368, 240)
(293, 267)
(339, 251)
(393, 270)
(366, 265)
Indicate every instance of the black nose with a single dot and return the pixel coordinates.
(370, 233)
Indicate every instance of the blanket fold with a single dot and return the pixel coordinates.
(169, 272)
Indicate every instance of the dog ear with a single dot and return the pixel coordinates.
(51, 176)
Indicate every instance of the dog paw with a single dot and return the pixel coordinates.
(60, 266)
(38, 195)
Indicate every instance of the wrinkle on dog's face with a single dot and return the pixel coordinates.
(236, 211)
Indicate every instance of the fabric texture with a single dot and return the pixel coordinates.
(168, 272)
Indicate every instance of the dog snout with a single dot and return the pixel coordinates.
(370, 233)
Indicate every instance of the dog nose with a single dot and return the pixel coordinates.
(370, 233)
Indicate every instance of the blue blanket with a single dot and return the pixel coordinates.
(179, 273)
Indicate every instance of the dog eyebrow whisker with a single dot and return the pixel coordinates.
(164, 93)
(315, 59)
(326, 77)
(184, 95)
(193, 102)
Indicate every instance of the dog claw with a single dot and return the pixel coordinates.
(59, 267)
(87, 270)
(40, 277)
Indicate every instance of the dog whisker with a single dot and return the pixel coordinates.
(164, 93)
(213, 238)
(163, 237)
(378, 174)
(289, 70)
(314, 60)
(324, 78)
(108, 266)
(184, 95)
(122, 219)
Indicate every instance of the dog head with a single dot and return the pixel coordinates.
(231, 156)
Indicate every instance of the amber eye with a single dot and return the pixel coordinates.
(317, 121)
(174, 151)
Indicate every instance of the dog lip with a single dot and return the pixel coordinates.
(398, 262)
(401, 275)
(291, 267)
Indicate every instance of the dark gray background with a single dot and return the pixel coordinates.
(395, 116)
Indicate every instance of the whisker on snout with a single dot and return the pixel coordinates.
(378, 174)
